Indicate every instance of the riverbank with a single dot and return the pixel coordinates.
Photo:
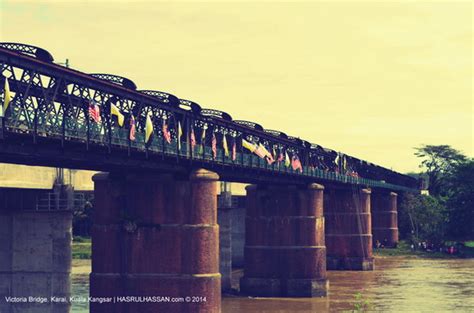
(403, 249)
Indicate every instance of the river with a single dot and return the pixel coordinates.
(399, 284)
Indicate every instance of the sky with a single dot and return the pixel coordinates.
(373, 79)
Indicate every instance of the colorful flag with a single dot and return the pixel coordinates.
(192, 138)
(336, 162)
(265, 151)
(344, 164)
(132, 128)
(7, 97)
(148, 128)
(203, 140)
(260, 151)
(296, 164)
(166, 132)
(234, 150)
(203, 136)
(94, 111)
(287, 159)
(266, 154)
(270, 159)
(248, 145)
(214, 145)
(115, 111)
(224, 145)
(281, 157)
(180, 133)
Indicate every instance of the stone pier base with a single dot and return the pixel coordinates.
(285, 254)
(385, 218)
(35, 259)
(348, 229)
(156, 236)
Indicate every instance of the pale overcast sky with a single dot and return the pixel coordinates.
(370, 78)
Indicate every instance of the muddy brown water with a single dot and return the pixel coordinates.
(399, 284)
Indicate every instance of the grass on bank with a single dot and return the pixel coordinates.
(404, 249)
(81, 248)
(469, 244)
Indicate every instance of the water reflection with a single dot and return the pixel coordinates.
(398, 284)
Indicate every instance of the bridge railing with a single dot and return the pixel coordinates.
(53, 102)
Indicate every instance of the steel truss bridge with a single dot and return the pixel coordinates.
(48, 123)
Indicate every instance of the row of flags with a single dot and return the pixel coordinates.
(343, 167)
(262, 152)
(258, 149)
(341, 164)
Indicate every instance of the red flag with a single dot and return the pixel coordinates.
(132, 128)
(281, 157)
(296, 164)
(214, 145)
(270, 159)
(94, 111)
(192, 139)
(166, 132)
(234, 151)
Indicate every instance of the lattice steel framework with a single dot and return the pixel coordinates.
(51, 102)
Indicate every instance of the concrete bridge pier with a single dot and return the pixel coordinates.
(155, 242)
(285, 253)
(35, 255)
(385, 217)
(348, 229)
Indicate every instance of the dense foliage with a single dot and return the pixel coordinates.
(438, 162)
(422, 217)
(460, 201)
(448, 211)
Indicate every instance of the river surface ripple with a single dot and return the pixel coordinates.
(398, 284)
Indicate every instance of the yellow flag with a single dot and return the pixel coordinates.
(180, 130)
(248, 145)
(224, 145)
(115, 111)
(6, 95)
(287, 160)
(148, 128)
(180, 133)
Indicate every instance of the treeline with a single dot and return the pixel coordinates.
(446, 213)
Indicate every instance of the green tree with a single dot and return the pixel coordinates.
(422, 218)
(438, 161)
(460, 201)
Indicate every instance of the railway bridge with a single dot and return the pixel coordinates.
(155, 229)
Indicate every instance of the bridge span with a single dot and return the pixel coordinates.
(155, 227)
